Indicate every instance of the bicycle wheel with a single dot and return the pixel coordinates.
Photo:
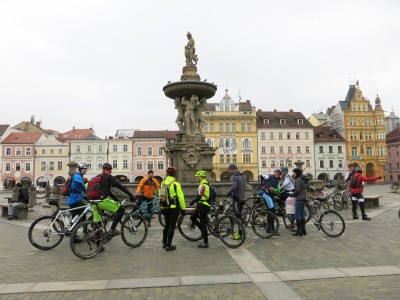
(337, 202)
(346, 198)
(307, 211)
(232, 232)
(134, 231)
(46, 233)
(332, 223)
(290, 221)
(188, 230)
(91, 235)
(212, 223)
(264, 223)
(161, 218)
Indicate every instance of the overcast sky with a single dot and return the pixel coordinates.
(103, 64)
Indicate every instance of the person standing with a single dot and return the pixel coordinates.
(78, 191)
(288, 186)
(237, 190)
(147, 186)
(352, 168)
(22, 201)
(356, 191)
(199, 217)
(171, 212)
(300, 192)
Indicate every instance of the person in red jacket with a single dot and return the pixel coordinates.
(356, 190)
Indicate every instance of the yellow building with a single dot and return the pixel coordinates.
(231, 128)
(363, 127)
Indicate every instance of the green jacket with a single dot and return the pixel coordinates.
(175, 189)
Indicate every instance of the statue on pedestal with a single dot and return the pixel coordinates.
(190, 52)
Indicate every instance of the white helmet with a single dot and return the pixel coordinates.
(82, 166)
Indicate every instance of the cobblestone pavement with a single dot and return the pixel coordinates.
(311, 267)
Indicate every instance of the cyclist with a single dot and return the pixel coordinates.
(108, 181)
(78, 191)
(171, 212)
(203, 206)
(270, 183)
(352, 170)
(300, 192)
(147, 186)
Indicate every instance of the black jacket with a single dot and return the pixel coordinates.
(107, 182)
(23, 195)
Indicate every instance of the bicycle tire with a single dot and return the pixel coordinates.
(187, 230)
(332, 223)
(161, 218)
(134, 231)
(264, 224)
(232, 231)
(337, 202)
(40, 231)
(287, 219)
(92, 242)
(307, 211)
(212, 225)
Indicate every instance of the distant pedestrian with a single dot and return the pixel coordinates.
(356, 190)
(22, 201)
(237, 190)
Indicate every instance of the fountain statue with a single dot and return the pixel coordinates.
(190, 94)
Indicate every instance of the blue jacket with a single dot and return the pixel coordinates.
(78, 189)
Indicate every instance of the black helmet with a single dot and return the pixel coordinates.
(107, 166)
(358, 170)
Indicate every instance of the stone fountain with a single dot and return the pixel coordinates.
(191, 152)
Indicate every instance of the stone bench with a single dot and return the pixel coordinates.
(21, 211)
(372, 201)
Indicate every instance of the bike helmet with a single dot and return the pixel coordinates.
(358, 170)
(285, 170)
(171, 170)
(201, 173)
(278, 170)
(82, 166)
(298, 172)
(107, 166)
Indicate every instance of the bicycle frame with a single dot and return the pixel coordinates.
(143, 208)
(70, 227)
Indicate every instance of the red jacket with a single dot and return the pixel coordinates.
(359, 181)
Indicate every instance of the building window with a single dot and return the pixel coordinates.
(340, 163)
(125, 148)
(280, 149)
(115, 164)
(44, 150)
(59, 165)
(282, 121)
(354, 151)
(89, 164)
(306, 135)
(8, 167)
(221, 143)
(211, 127)
(115, 148)
(18, 151)
(369, 151)
(160, 165)
(330, 163)
(100, 148)
(280, 135)
(89, 148)
(308, 164)
(51, 165)
(321, 149)
(43, 166)
(150, 165)
(228, 158)
(272, 163)
(297, 135)
(8, 151)
(266, 121)
(28, 151)
(150, 151)
(246, 158)
(339, 149)
(233, 126)
(139, 165)
(27, 167)
(221, 159)
(271, 136)
(99, 165)
(263, 163)
(242, 127)
(381, 151)
(17, 167)
(227, 127)
(289, 150)
(263, 150)
(281, 163)
(330, 149)
(78, 149)
(210, 143)
(246, 144)
(353, 136)
(272, 150)
(125, 164)
(139, 150)
(321, 164)
(307, 149)
(221, 127)
(160, 151)
(234, 159)
(300, 121)
(289, 135)
(262, 136)
(298, 149)
(248, 127)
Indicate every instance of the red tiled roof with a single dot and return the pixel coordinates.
(22, 138)
(77, 134)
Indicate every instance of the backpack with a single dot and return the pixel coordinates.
(93, 190)
(354, 182)
(213, 194)
(165, 198)
(66, 188)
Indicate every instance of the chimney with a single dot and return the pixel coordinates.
(73, 128)
(38, 124)
(291, 110)
(110, 137)
(275, 110)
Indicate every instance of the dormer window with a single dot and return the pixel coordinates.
(266, 121)
(300, 121)
(282, 121)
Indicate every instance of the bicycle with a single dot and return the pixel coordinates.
(133, 233)
(143, 210)
(228, 228)
(327, 220)
(341, 199)
(47, 232)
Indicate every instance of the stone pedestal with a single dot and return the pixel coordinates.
(191, 154)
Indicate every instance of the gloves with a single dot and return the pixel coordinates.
(132, 198)
(183, 212)
(191, 203)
